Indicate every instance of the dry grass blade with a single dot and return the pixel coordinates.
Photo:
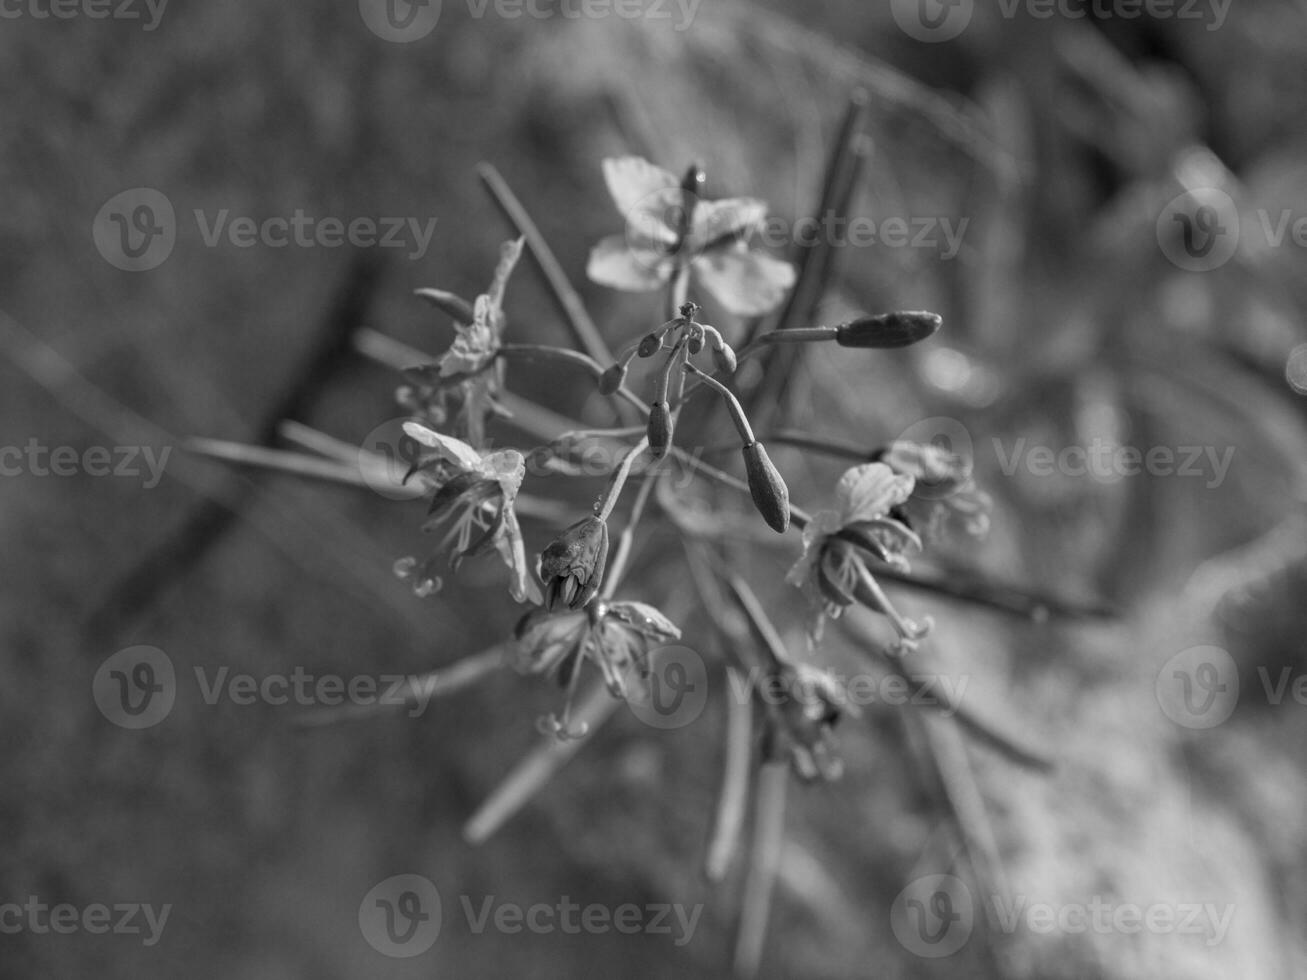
(737, 756)
(533, 772)
(765, 857)
(418, 690)
(584, 331)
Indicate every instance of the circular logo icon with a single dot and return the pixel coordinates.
(136, 230)
(1199, 229)
(1295, 369)
(400, 21)
(401, 916)
(676, 690)
(136, 687)
(386, 457)
(932, 20)
(1198, 687)
(946, 434)
(933, 916)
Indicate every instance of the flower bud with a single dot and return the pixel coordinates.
(650, 345)
(660, 429)
(612, 379)
(572, 567)
(458, 309)
(888, 329)
(724, 358)
(770, 494)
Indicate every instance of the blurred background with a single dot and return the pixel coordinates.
(1108, 206)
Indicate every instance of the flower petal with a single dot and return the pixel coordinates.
(508, 466)
(725, 221)
(508, 542)
(456, 451)
(615, 264)
(509, 253)
(747, 283)
(632, 179)
(645, 619)
(868, 491)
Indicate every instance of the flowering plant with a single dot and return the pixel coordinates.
(892, 504)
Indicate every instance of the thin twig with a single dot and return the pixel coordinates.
(737, 758)
(418, 690)
(533, 772)
(584, 332)
(765, 856)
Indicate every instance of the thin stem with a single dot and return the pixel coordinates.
(618, 479)
(798, 335)
(765, 854)
(584, 332)
(532, 352)
(534, 771)
(399, 356)
(297, 464)
(617, 567)
(418, 691)
(733, 801)
(907, 628)
(737, 410)
(828, 447)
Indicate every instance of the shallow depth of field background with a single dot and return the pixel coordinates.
(1057, 139)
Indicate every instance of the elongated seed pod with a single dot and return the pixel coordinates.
(770, 494)
(888, 329)
(660, 429)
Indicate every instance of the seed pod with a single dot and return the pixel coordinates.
(650, 345)
(888, 329)
(612, 379)
(724, 358)
(770, 494)
(660, 429)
